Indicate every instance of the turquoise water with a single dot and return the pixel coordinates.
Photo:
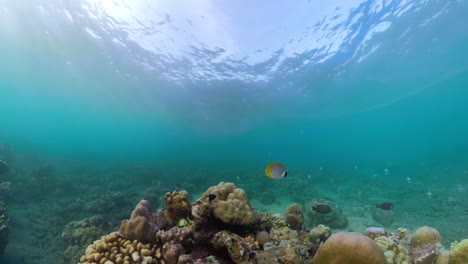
(363, 101)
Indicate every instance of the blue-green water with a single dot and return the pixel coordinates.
(344, 94)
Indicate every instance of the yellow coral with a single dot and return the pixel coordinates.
(459, 252)
(251, 240)
(424, 236)
(114, 249)
(394, 253)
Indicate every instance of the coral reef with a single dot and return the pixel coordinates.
(238, 249)
(208, 234)
(78, 234)
(319, 234)
(141, 225)
(262, 237)
(425, 245)
(374, 232)
(114, 249)
(324, 211)
(177, 207)
(459, 252)
(4, 229)
(394, 252)
(294, 217)
(395, 246)
(203, 233)
(230, 205)
(349, 248)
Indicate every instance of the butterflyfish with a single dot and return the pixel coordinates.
(276, 171)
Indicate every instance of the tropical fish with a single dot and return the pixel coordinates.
(4, 168)
(322, 209)
(276, 171)
(385, 206)
(211, 197)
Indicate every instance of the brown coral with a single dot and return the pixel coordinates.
(177, 207)
(238, 249)
(425, 244)
(349, 248)
(141, 225)
(201, 212)
(262, 237)
(230, 205)
(424, 236)
(294, 217)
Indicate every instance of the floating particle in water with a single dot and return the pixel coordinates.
(355, 167)
(429, 194)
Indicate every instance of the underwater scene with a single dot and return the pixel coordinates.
(177, 132)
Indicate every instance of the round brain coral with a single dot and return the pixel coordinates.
(349, 248)
(424, 236)
(230, 205)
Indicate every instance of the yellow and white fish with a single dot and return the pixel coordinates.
(276, 171)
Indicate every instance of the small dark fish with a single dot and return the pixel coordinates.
(177, 186)
(385, 206)
(4, 168)
(322, 209)
(211, 197)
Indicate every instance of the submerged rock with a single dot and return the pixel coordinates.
(4, 228)
(325, 212)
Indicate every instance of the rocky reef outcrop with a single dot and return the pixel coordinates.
(4, 229)
(222, 227)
